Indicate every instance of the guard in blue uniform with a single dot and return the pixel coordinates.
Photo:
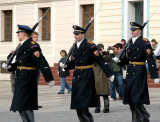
(136, 88)
(83, 85)
(28, 57)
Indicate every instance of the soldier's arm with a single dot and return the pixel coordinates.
(100, 60)
(41, 62)
(150, 59)
(70, 63)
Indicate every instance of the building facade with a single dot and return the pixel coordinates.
(110, 25)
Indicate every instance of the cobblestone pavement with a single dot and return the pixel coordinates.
(56, 108)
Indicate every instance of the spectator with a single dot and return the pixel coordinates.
(123, 42)
(154, 44)
(63, 74)
(101, 81)
(34, 36)
(35, 39)
(117, 71)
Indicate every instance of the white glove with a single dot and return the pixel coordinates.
(5, 66)
(116, 60)
(62, 65)
(112, 78)
(156, 80)
(51, 83)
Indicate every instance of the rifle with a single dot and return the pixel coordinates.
(74, 44)
(15, 51)
(12, 55)
(34, 27)
(126, 46)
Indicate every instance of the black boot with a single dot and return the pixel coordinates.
(106, 104)
(97, 110)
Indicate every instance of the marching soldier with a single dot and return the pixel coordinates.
(83, 84)
(136, 88)
(29, 56)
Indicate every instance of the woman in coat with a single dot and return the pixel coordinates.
(63, 74)
(101, 81)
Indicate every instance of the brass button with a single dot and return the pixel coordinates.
(133, 73)
(134, 57)
(134, 65)
(78, 76)
(20, 61)
(127, 73)
(73, 77)
(137, 49)
(24, 52)
(81, 69)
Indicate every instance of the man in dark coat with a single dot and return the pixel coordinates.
(83, 84)
(136, 88)
(29, 56)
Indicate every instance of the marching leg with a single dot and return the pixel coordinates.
(134, 114)
(139, 112)
(84, 115)
(27, 115)
(146, 114)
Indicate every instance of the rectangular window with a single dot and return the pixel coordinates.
(88, 13)
(46, 24)
(8, 25)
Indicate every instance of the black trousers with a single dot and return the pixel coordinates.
(84, 115)
(106, 102)
(139, 113)
(27, 115)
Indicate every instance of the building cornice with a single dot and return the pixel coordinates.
(29, 2)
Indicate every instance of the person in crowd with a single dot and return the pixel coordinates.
(123, 42)
(154, 44)
(117, 71)
(83, 85)
(136, 88)
(29, 55)
(34, 36)
(101, 81)
(63, 74)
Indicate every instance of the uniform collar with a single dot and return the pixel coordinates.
(22, 42)
(135, 38)
(79, 43)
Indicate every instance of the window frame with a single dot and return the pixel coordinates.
(91, 36)
(43, 25)
(5, 27)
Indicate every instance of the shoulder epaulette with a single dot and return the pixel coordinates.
(144, 39)
(90, 42)
(33, 42)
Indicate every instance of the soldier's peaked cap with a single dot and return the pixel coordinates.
(135, 26)
(78, 29)
(24, 28)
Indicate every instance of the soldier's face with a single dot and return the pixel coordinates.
(20, 36)
(79, 37)
(136, 33)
